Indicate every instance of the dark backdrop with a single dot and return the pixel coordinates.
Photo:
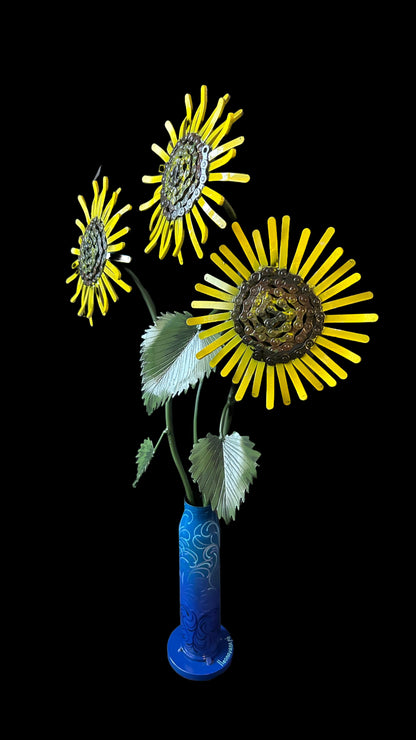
(303, 563)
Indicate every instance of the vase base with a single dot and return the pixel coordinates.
(199, 670)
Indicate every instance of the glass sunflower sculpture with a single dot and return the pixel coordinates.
(276, 316)
(191, 160)
(97, 246)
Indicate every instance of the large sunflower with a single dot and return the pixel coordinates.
(97, 245)
(191, 159)
(275, 317)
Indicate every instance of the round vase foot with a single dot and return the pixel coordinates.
(199, 670)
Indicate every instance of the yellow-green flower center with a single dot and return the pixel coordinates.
(93, 252)
(184, 176)
(278, 315)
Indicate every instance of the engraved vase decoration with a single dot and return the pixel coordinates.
(200, 648)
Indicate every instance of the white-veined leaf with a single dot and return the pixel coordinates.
(224, 468)
(168, 358)
(143, 458)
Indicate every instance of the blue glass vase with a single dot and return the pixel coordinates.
(200, 648)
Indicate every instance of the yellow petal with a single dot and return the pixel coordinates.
(201, 288)
(217, 329)
(248, 250)
(284, 389)
(354, 278)
(223, 160)
(191, 232)
(246, 357)
(329, 362)
(150, 179)
(179, 236)
(316, 252)
(347, 301)
(246, 380)
(225, 350)
(208, 319)
(215, 344)
(234, 358)
(152, 201)
(234, 276)
(213, 304)
(350, 335)
(329, 262)
(321, 287)
(228, 177)
(201, 223)
(160, 152)
(257, 379)
(300, 251)
(225, 147)
(172, 133)
(270, 383)
(84, 207)
(318, 370)
(313, 380)
(221, 284)
(261, 254)
(338, 349)
(211, 121)
(274, 249)
(293, 375)
(351, 318)
(216, 197)
(200, 111)
(211, 213)
(284, 243)
(235, 262)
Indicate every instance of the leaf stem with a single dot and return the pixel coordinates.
(165, 431)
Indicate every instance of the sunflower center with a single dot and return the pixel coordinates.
(93, 252)
(278, 315)
(184, 176)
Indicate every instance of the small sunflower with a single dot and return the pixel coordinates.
(97, 245)
(275, 317)
(191, 160)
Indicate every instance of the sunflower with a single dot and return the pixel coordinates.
(97, 244)
(276, 316)
(191, 159)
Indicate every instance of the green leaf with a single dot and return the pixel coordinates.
(168, 358)
(143, 458)
(224, 468)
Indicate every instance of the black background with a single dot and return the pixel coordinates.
(305, 564)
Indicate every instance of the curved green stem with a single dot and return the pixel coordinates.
(175, 454)
(227, 413)
(168, 405)
(229, 210)
(144, 293)
(196, 407)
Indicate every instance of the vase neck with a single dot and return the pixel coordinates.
(199, 512)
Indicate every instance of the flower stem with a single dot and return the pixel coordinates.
(144, 293)
(227, 413)
(175, 454)
(196, 407)
(229, 210)
(168, 405)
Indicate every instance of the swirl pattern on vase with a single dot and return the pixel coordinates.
(199, 574)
